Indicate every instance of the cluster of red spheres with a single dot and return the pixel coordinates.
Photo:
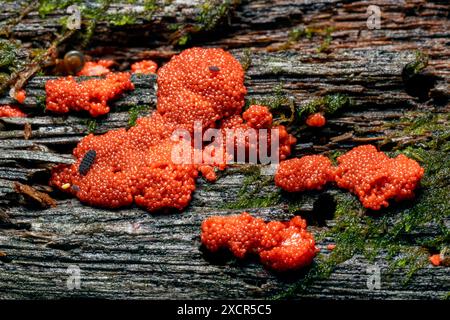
(316, 120)
(103, 67)
(258, 117)
(11, 111)
(20, 96)
(91, 95)
(96, 68)
(375, 178)
(200, 85)
(368, 173)
(137, 165)
(144, 66)
(126, 171)
(306, 173)
(436, 259)
(245, 134)
(281, 246)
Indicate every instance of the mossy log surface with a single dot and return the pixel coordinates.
(129, 253)
(255, 23)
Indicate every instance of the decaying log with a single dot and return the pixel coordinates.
(257, 23)
(372, 79)
(369, 77)
(156, 25)
(373, 82)
(129, 253)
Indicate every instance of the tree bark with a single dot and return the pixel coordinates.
(129, 253)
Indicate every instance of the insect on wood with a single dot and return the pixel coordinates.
(87, 162)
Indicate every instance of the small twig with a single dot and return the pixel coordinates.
(27, 131)
(37, 64)
(369, 139)
(342, 137)
(21, 77)
(42, 198)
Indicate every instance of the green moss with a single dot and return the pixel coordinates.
(325, 45)
(317, 272)
(298, 33)
(184, 39)
(63, 22)
(335, 102)
(276, 70)
(420, 123)
(351, 228)
(93, 12)
(91, 125)
(122, 19)
(277, 100)
(333, 155)
(88, 32)
(41, 102)
(254, 202)
(279, 97)
(213, 12)
(135, 112)
(280, 104)
(309, 33)
(297, 204)
(420, 62)
(310, 107)
(248, 197)
(50, 6)
(252, 172)
(12, 60)
(329, 104)
(173, 27)
(432, 203)
(8, 53)
(246, 60)
(410, 261)
(150, 5)
(88, 9)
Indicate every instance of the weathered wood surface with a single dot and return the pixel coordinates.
(371, 77)
(256, 22)
(129, 253)
(251, 15)
(378, 98)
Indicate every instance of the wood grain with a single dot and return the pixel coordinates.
(129, 253)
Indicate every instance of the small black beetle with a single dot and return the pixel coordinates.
(87, 162)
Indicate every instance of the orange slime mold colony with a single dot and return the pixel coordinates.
(135, 165)
(281, 246)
